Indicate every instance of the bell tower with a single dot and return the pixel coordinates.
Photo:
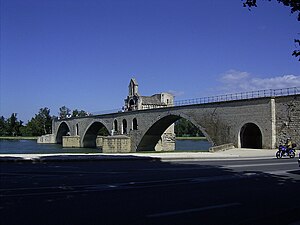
(133, 88)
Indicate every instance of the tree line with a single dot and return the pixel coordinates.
(40, 124)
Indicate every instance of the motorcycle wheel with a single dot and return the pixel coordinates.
(292, 155)
(278, 154)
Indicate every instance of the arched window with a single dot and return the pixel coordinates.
(115, 125)
(131, 105)
(77, 129)
(134, 124)
(124, 126)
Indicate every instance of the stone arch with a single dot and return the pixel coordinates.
(63, 130)
(250, 136)
(134, 124)
(153, 134)
(124, 126)
(90, 135)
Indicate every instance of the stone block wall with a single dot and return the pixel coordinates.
(116, 144)
(288, 119)
(71, 142)
(46, 139)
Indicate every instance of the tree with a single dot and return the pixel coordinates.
(80, 113)
(40, 124)
(64, 112)
(184, 127)
(44, 120)
(295, 8)
(13, 125)
(3, 126)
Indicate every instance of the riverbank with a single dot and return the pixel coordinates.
(17, 138)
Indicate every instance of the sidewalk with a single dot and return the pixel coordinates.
(236, 153)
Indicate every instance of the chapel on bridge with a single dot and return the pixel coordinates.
(135, 101)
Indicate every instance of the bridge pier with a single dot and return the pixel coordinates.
(46, 139)
(71, 142)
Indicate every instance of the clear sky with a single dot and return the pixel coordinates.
(82, 53)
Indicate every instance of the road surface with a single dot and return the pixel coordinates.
(260, 191)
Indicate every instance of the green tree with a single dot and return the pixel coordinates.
(103, 132)
(13, 125)
(77, 113)
(295, 8)
(184, 128)
(64, 112)
(40, 124)
(3, 126)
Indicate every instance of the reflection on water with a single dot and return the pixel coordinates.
(30, 146)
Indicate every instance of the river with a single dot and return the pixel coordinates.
(30, 146)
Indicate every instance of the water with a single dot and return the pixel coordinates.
(192, 145)
(31, 146)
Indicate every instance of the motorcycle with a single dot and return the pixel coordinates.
(284, 151)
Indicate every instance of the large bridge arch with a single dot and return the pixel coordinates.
(90, 134)
(63, 130)
(153, 134)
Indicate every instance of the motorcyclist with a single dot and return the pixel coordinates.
(288, 144)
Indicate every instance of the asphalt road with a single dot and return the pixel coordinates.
(150, 192)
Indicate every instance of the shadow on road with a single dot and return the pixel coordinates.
(146, 191)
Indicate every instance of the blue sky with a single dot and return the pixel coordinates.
(82, 54)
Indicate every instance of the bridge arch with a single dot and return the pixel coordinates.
(250, 136)
(91, 133)
(63, 130)
(152, 136)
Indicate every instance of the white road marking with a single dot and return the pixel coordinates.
(177, 212)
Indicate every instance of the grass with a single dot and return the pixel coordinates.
(17, 138)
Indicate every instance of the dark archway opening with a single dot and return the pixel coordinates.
(131, 105)
(116, 126)
(251, 136)
(134, 124)
(124, 126)
(90, 137)
(63, 130)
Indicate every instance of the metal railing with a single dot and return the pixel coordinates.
(240, 96)
(221, 98)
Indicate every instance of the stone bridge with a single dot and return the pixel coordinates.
(260, 122)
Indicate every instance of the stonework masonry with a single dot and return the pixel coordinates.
(288, 119)
(268, 121)
(116, 144)
(71, 142)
